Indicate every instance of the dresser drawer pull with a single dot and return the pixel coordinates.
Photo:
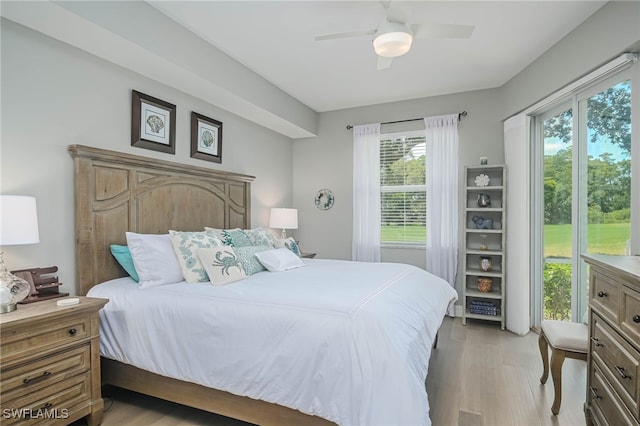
(44, 375)
(594, 393)
(72, 331)
(47, 405)
(636, 319)
(596, 342)
(602, 294)
(29, 413)
(621, 372)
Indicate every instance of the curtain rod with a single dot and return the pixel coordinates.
(460, 115)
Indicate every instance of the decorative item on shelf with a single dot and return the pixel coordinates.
(482, 180)
(324, 199)
(484, 161)
(483, 242)
(485, 284)
(482, 222)
(282, 218)
(484, 200)
(18, 226)
(486, 263)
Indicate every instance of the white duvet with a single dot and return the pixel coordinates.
(346, 341)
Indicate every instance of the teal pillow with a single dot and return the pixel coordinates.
(123, 256)
(235, 238)
(248, 260)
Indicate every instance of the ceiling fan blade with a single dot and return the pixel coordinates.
(442, 31)
(397, 11)
(345, 35)
(384, 63)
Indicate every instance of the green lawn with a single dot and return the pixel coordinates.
(407, 234)
(606, 238)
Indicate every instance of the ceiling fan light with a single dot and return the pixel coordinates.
(392, 44)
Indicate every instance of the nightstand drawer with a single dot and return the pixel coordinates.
(605, 294)
(620, 362)
(44, 372)
(44, 335)
(45, 404)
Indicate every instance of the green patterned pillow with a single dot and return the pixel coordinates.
(231, 237)
(222, 264)
(185, 245)
(249, 261)
(261, 237)
(289, 243)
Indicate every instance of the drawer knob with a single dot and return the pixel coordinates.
(594, 393)
(47, 405)
(621, 372)
(596, 342)
(44, 375)
(73, 331)
(636, 319)
(602, 294)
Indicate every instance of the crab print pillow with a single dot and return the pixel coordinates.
(222, 264)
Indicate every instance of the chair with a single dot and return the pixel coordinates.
(567, 340)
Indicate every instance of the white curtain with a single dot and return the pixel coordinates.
(518, 223)
(366, 193)
(442, 197)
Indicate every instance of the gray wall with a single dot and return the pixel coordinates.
(54, 95)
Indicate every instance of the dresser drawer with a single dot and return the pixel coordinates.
(43, 372)
(47, 403)
(44, 335)
(619, 360)
(605, 295)
(605, 402)
(630, 315)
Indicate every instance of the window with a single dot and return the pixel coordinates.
(402, 188)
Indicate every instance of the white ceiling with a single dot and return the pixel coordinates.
(275, 39)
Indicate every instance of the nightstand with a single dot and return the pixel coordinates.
(50, 363)
(308, 255)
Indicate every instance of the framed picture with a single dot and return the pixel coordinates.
(206, 138)
(153, 123)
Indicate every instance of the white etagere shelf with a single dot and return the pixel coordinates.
(484, 243)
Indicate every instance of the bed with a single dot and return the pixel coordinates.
(272, 353)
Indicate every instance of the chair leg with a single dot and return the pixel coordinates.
(544, 353)
(557, 358)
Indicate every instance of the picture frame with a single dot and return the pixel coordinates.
(206, 138)
(153, 123)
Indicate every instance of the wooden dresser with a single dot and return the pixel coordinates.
(50, 363)
(613, 381)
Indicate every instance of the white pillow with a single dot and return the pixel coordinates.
(222, 264)
(154, 259)
(279, 260)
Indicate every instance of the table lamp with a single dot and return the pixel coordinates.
(18, 226)
(283, 219)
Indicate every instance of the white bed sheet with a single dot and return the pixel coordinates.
(346, 341)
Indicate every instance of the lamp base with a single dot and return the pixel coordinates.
(283, 235)
(9, 307)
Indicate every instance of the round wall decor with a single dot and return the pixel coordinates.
(324, 199)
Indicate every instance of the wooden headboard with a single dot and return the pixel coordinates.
(116, 193)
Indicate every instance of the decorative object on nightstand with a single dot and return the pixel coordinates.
(284, 219)
(43, 284)
(51, 362)
(483, 292)
(308, 255)
(18, 226)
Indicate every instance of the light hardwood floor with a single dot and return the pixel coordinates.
(478, 376)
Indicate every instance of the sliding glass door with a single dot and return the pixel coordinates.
(584, 192)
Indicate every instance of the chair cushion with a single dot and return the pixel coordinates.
(568, 336)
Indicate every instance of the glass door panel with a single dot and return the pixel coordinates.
(557, 232)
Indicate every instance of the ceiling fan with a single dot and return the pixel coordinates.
(395, 34)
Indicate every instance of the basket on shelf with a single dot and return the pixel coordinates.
(485, 284)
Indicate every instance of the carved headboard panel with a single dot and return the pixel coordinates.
(116, 193)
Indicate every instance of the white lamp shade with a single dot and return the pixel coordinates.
(394, 40)
(284, 218)
(18, 220)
